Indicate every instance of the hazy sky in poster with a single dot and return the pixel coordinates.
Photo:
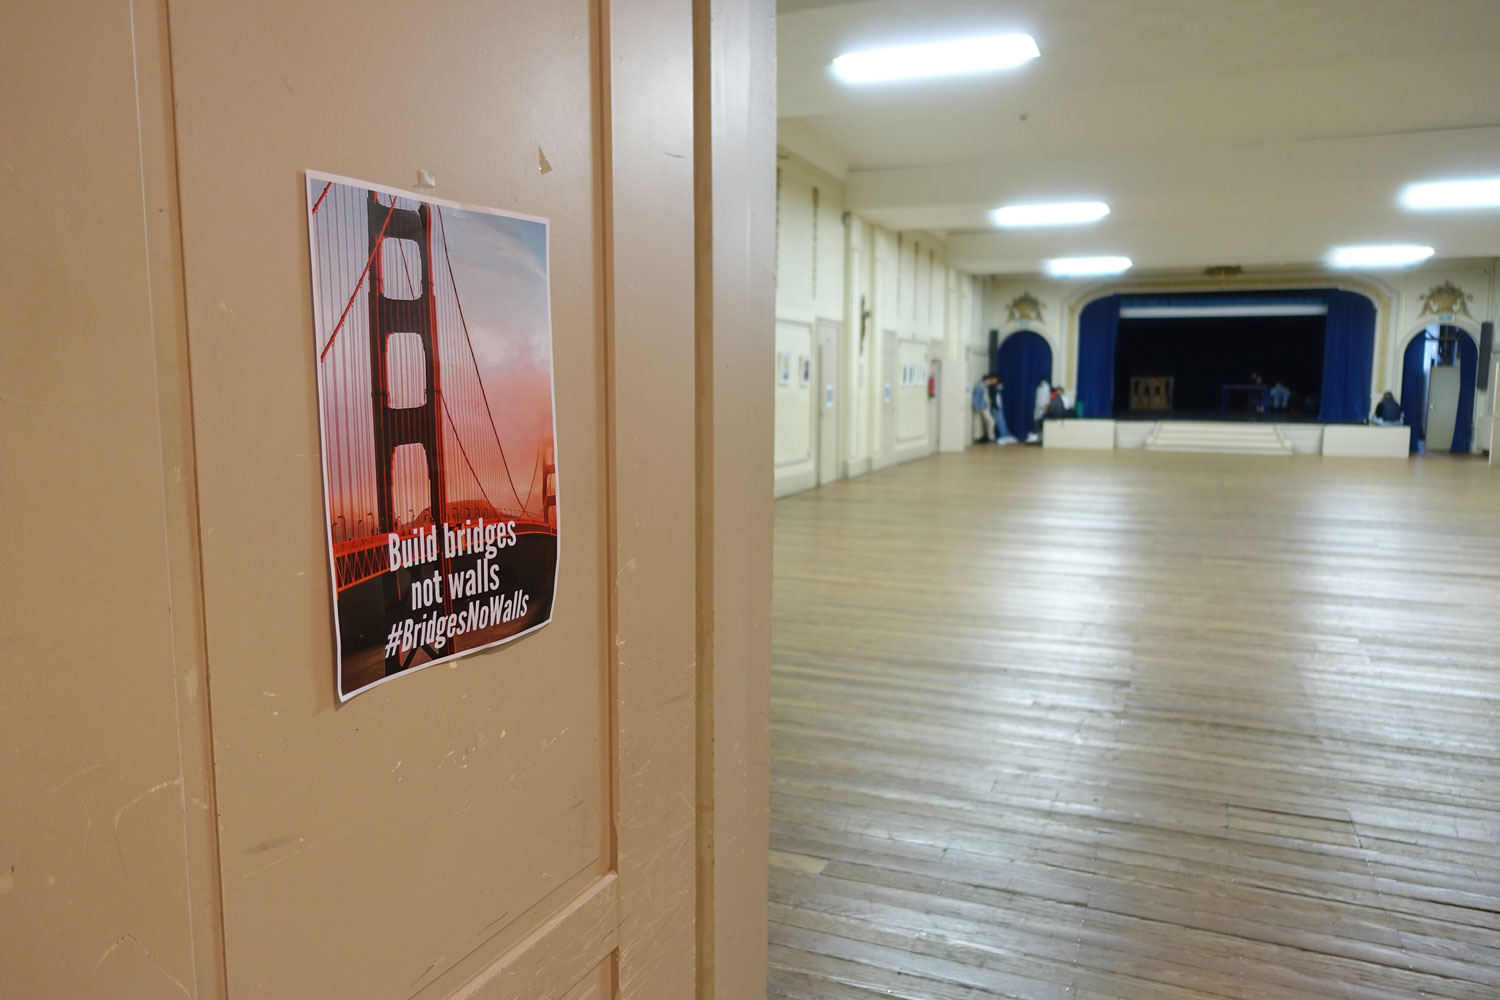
(506, 310)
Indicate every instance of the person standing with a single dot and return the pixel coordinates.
(997, 412)
(1040, 400)
(982, 404)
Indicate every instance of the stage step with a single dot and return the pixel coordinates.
(1230, 438)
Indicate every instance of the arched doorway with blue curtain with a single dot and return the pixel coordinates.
(1023, 358)
(1434, 346)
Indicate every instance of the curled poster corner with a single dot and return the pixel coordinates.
(425, 179)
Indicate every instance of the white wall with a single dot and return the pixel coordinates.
(810, 286)
(827, 269)
(1398, 298)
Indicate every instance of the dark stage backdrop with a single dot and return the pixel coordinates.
(1204, 353)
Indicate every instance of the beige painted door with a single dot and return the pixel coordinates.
(518, 823)
(934, 404)
(890, 383)
(828, 402)
(1442, 406)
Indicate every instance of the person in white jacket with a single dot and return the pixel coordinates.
(1039, 407)
(1043, 396)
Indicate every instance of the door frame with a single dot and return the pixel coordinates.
(734, 154)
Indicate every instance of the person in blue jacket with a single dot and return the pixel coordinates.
(984, 407)
(997, 410)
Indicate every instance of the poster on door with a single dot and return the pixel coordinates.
(433, 351)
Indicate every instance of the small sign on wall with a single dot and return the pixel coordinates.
(783, 368)
(805, 363)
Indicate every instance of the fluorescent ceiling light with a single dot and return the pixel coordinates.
(907, 62)
(1057, 213)
(1078, 267)
(1394, 255)
(1453, 194)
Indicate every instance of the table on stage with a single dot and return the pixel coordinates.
(1256, 389)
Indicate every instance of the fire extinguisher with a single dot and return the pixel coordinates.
(932, 387)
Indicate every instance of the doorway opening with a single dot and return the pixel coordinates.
(1438, 375)
(1024, 357)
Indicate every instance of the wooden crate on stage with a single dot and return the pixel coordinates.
(1151, 393)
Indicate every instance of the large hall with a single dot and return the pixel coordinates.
(1187, 686)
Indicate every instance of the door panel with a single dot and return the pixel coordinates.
(106, 882)
(889, 390)
(449, 833)
(828, 402)
(1443, 383)
(934, 404)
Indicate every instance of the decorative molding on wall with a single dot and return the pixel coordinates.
(1024, 308)
(1446, 299)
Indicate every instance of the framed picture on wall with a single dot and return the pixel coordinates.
(806, 371)
(783, 368)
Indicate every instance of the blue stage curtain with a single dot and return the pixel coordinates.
(1024, 357)
(1468, 370)
(1414, 388)
(1348, 358)
(1098, 328)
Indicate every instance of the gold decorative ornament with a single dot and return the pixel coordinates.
(1446, 299)
(1024, 308)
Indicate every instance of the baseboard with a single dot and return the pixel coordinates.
(794, 480)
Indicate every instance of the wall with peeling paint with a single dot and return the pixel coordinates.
(107, 886)
(185, 808)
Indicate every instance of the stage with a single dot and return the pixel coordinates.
(1250, 434)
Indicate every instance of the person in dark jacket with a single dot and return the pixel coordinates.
(1387, 412)
(1058, 406)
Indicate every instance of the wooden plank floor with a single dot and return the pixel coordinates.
(1154, 726)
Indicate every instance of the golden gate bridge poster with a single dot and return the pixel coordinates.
(433, 346)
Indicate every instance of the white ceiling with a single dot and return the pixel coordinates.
(1252, 132)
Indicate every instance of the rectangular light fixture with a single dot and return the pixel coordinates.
(1482, 193)
(1392, 255)
(910, 62)
(1057, 213)
(1080, 267)
(1195, 312)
